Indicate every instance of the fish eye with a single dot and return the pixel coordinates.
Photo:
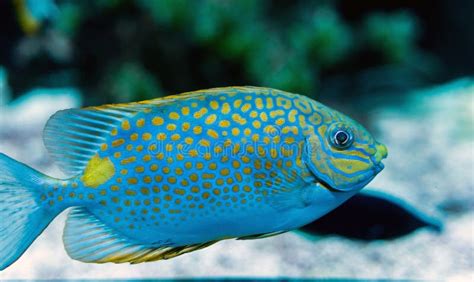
(341, 138)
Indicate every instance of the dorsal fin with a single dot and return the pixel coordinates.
(206, 92)
(73, 136)
(88, 239)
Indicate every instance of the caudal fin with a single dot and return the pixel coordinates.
(22, 217)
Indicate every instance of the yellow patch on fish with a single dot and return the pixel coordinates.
(98, 171)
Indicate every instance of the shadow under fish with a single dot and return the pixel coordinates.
(372, 216)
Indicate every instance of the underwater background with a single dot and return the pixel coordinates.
(404, 69)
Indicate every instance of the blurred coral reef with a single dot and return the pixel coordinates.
(123, 50)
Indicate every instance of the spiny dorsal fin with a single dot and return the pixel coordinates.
(73, 136)
(87, 239)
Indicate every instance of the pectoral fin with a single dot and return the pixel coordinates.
(288, 190)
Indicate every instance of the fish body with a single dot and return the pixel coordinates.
(158, 178)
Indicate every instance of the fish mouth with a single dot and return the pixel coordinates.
(379, 155)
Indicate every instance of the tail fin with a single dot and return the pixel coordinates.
(22, 217)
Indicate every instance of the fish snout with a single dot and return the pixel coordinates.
(381, 152)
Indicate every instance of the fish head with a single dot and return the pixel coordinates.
(341, 154)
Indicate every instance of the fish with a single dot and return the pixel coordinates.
(156, 179)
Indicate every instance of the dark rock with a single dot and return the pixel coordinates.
(372, 217)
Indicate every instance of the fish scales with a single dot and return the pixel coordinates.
(195, 159)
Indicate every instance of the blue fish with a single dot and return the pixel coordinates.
(156, 179)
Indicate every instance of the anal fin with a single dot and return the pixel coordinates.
(87, 239)
(261, 236)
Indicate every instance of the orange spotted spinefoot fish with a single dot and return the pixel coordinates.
(159, 178)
